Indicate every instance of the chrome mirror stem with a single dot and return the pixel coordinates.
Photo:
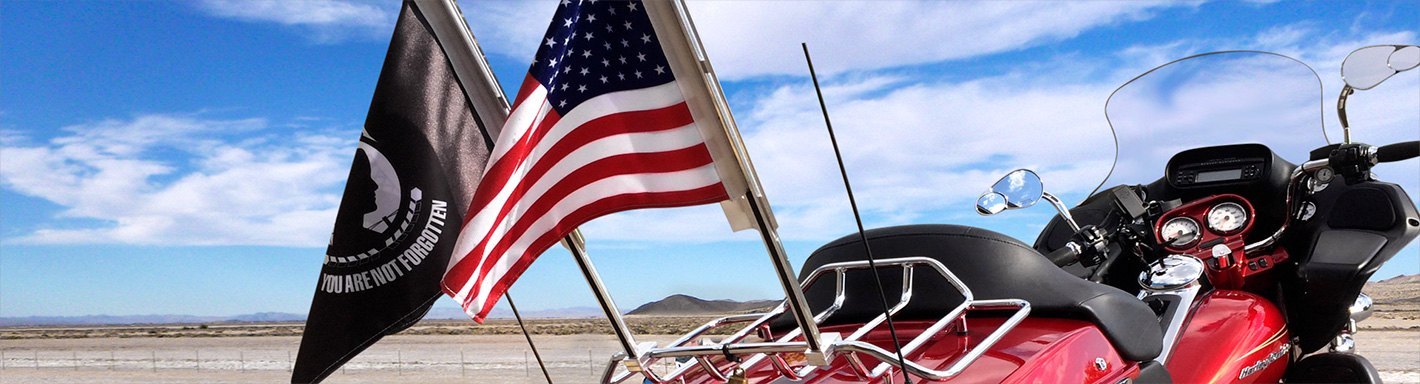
(1341, 113)
(1064, 211)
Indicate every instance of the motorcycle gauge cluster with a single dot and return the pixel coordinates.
(1227, 217)
(1180, 232)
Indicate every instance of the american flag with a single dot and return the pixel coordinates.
(600, 125)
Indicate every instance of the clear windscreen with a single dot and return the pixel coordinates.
(1214, 99)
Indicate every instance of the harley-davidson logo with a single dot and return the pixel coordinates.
(1266, 361)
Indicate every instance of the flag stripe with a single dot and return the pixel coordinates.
(507, 269)
(493, 191)
(638, 163)
(511, 156)
(545, 173)
(599, 126)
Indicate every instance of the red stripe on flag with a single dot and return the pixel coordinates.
(500, 172)
(634, 163)
(618, 203)
(661, 119)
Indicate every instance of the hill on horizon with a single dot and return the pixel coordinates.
(679, 304)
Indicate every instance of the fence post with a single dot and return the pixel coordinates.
(289, 365)
(242, 360)
(398, 362)
(36, 359)
(463, 368)
(2, 359)
(154, 360)
(527, 370)
(197, 358)
(74, 357)
(590, 368)
(110, 359)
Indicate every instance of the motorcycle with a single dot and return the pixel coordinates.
(1237, 265)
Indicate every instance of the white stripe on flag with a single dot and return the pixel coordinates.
(611, 103)
(621, 184)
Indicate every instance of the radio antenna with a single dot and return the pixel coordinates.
(862, 235)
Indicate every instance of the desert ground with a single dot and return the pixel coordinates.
(426, 354)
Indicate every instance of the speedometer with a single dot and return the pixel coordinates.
(1180, 232)
(1227, 217)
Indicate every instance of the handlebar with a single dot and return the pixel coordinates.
(1398, 151)
(1066, 255)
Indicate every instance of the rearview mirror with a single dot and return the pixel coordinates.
(1367, 67)
(1019, 189)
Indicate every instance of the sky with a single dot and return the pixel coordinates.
(164, 157)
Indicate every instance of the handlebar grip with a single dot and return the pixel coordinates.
(1399, 151)
(1064, 256)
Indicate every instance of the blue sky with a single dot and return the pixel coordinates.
(187, 157)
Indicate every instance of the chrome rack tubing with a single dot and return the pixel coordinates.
(840, 270)
(742, 333)
(681, 368)
(611, 364)
(963, 362)
(904, 299)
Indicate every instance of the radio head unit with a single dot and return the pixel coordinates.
(1221, 165)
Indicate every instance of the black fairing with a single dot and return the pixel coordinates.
(994, 266)
(1356, 229)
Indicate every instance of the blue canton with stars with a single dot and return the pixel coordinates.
(597, 47)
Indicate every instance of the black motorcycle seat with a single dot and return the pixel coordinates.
(993, 266)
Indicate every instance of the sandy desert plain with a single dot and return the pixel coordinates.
(576, 350)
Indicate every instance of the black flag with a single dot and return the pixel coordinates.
(419, 160)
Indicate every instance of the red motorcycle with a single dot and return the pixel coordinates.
(1235, 266)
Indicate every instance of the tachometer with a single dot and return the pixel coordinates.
(1227, 217)
(1180, 232)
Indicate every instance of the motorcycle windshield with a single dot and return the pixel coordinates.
(1213, 99)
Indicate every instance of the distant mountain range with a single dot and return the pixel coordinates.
(1396, 293)
(679, 305)
(672, 305)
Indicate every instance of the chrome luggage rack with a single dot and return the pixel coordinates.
(849, 347)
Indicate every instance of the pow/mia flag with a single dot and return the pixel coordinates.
(418, 161)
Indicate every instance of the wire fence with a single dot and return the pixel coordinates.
(398, 361)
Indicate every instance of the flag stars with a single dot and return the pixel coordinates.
(638, 74)
(587, 36)
(660, 70)
(620, 76)
(625, 43)
(606, 63)
(550, 43)
(591, 17)
(645, 38)
(622, 59)
(581, 88)
(603, 79)
(631, 6)
(608, 28)
(586, 53)
(641, 56)
(627, 25)
(567, 22)
(584, 71)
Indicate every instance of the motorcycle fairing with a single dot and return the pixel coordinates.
(1355, 230)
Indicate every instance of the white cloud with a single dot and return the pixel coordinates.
(921, 151)
(757, 38)
(181, 180)
(328, 20)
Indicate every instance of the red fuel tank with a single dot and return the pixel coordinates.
(1231, 337)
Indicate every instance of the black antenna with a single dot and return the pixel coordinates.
(872, 264)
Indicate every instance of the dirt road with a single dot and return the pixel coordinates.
(409, 359)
